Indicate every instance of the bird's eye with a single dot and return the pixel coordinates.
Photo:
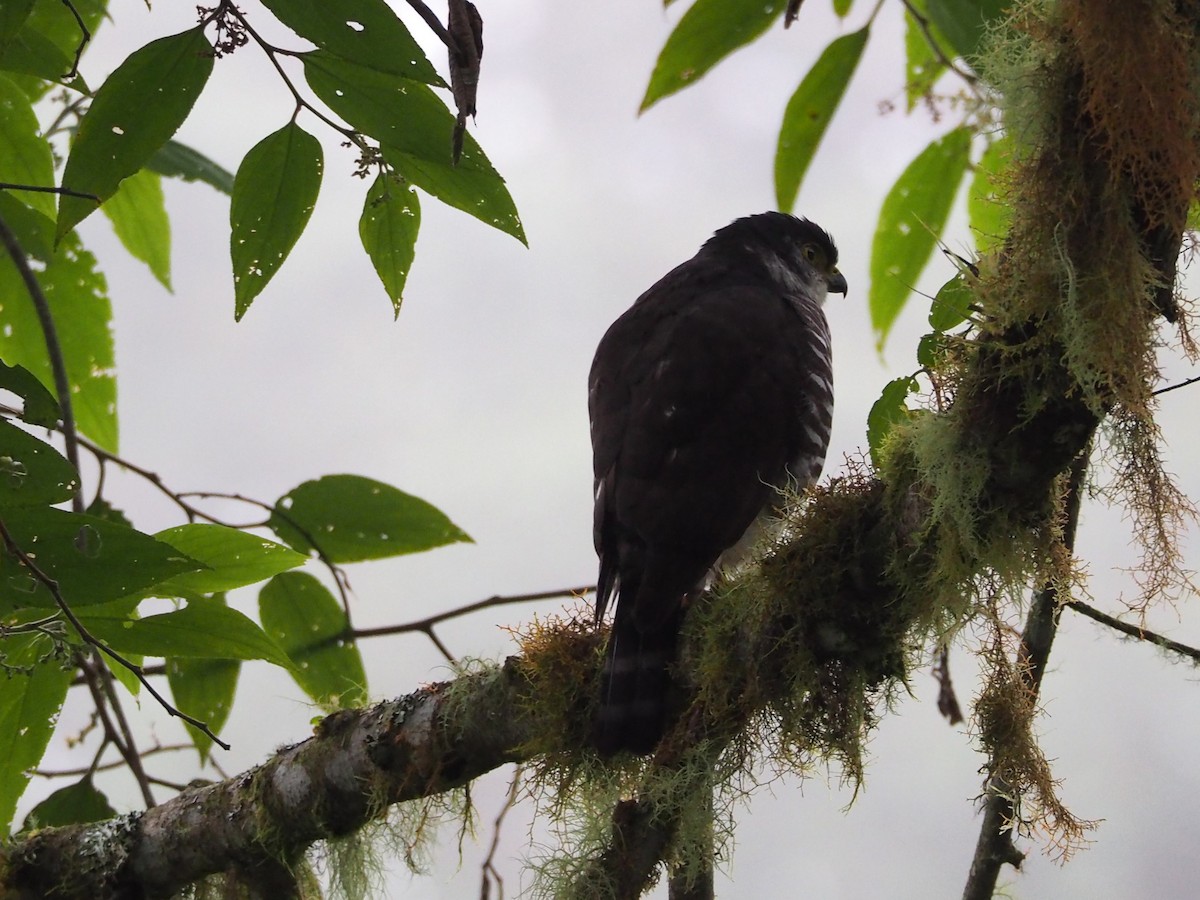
(810, 253)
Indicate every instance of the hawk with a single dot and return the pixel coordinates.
(707, 398)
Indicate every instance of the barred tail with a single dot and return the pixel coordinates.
(635, 687)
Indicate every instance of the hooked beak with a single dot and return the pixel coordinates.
(836, 283)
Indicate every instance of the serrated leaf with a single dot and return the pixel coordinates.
(274, 193)
(40, 406)
(964, 22)
(25, 156)
(414, 129)
(204, 629)
(93, 560)
(987, 212)
(78, 804)
(922, 66)
(137, 109)
(910, 222)
(889, 410)
(388, 227)
(351, 518)
(176, 160)
(708, 32)
(809, 111)
(307, 621)
(34, 690)
(32, 473)
(78, 298)
(367, 32)
(233, 558)
(952, 305)
(138, 213)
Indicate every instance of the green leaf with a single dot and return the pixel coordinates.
(366, 32)
(910, 222)
(204, 629)
(987, 212)
(307, 620)
(34, 230)
(30, 52)
(92, 560)
(32, 473)
(352, 518)
(708, 32)
(842, 8)
(40, 406)
(888, 411)
(952, 305)
(176, 160)
(78, 804)
(809, 111)
(102, 509)
(13, 14)
(233, 558)
(204, 689)
(138, 214)
(78, 299)
(134, 112)
(922, 66)
(414, 129)
(931, 348)
(391, 218)
(964, 22)
(25, 156)
(274, 193)
(34, 690)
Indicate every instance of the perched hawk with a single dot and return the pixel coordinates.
(712, 392)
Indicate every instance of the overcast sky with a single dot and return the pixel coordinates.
(475, 400)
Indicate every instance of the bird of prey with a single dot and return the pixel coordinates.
(707, 398)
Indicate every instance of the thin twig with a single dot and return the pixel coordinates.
(134, 759)
(1174, 387)
(112, 735)
(434, 23)
(52, 586)
(995, 847)
(39, 189)
(1134, 631)
(98, 766)
(490, 874)
(58, 366)
(85, 37)
(926, 32)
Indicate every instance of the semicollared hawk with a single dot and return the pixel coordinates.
(707, 398)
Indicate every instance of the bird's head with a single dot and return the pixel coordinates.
(797, 255)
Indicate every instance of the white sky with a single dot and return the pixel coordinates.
(475, 401)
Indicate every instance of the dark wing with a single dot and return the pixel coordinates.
(699, 396)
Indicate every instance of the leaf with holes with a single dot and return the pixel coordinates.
(308, 622)
(910, 223)
(708, 32)
(274, 193)
(809, 111)
(351, 518)
(232, 558)
(364, 31)
(137, 109)
(32, 473)
(78, 297)
(35, 686)
(414, 129)
(25, 156)
(388, 228)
